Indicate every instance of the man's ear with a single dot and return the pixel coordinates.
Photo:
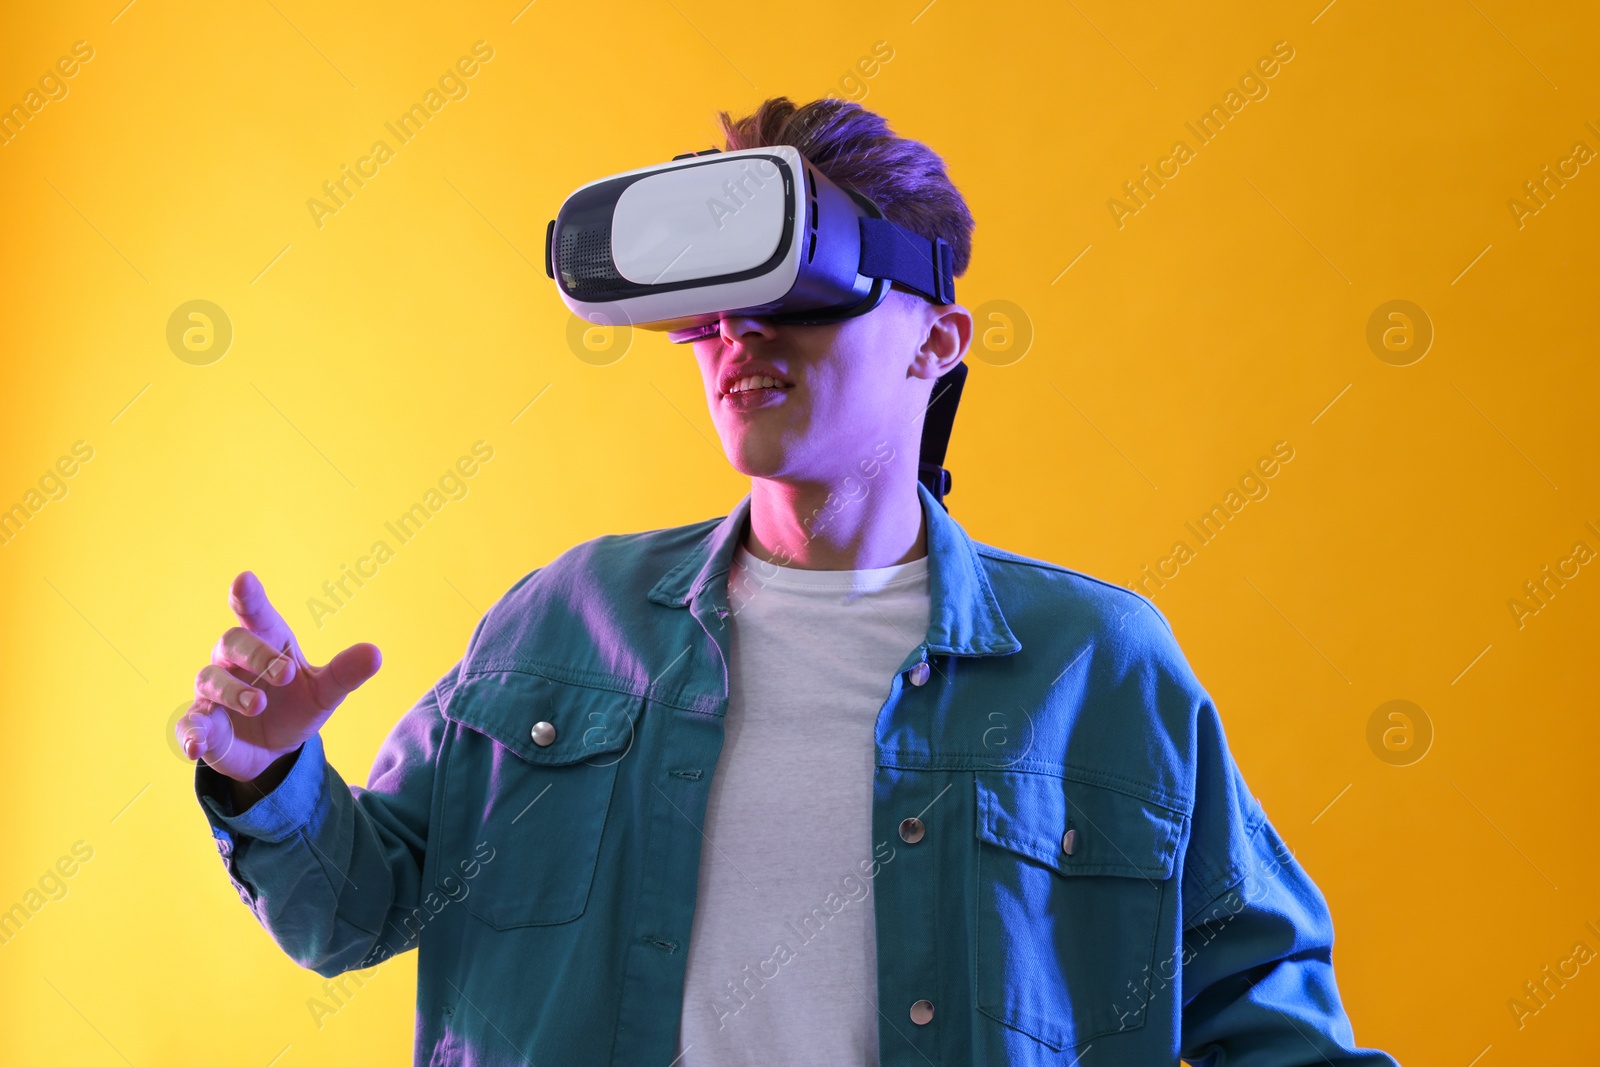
(947, 333)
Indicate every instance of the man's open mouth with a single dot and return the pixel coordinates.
(753, 382)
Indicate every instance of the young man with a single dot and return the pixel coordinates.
(822, 781)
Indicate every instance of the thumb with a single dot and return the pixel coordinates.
(346, 672)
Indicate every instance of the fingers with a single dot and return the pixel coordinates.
(346, 672)
(204, 731)
(253, 658)
(217, 685)
(249, 602)
(256, 660)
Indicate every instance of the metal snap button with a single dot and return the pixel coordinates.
(920, 673)
(543, 733)
(922, 1012)
(1069, 841)
(911, 830)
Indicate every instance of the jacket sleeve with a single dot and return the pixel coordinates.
(1258, 982)
(334, 872)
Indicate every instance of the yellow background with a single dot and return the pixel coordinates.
(1226, 315)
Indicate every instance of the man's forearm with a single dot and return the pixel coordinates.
(299, 849)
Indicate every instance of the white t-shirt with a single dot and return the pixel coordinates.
(782, 965)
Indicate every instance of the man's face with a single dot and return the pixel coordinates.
(846, 389)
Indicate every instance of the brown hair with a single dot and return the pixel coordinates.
(856, 149)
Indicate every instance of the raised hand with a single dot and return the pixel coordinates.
(259, 699)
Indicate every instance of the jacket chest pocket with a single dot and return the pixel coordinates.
(527, 792)
(1071, 879)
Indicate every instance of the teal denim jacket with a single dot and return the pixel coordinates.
(1091, 883)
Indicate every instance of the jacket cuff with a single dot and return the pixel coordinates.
(276, 815)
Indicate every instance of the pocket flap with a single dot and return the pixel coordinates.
(591, 724)
(1113, 832)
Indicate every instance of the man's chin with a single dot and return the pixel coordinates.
(751, 468)
(757, 459)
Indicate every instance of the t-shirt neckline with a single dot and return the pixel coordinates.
(868, 578)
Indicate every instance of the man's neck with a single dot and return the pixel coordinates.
(857, 524)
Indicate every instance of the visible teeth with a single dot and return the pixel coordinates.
(754, 381)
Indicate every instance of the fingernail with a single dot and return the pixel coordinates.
(248, 699)
(278, 669)
(191, 744)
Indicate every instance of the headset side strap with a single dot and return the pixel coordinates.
(889, 250)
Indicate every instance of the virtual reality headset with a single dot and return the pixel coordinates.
(761, 232)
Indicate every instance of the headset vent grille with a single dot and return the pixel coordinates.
(811, 188)
(586, 259)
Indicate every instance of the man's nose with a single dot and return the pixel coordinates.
(736, 328)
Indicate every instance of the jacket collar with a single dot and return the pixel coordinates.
(964, 619)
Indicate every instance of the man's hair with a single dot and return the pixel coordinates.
(856, 149)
